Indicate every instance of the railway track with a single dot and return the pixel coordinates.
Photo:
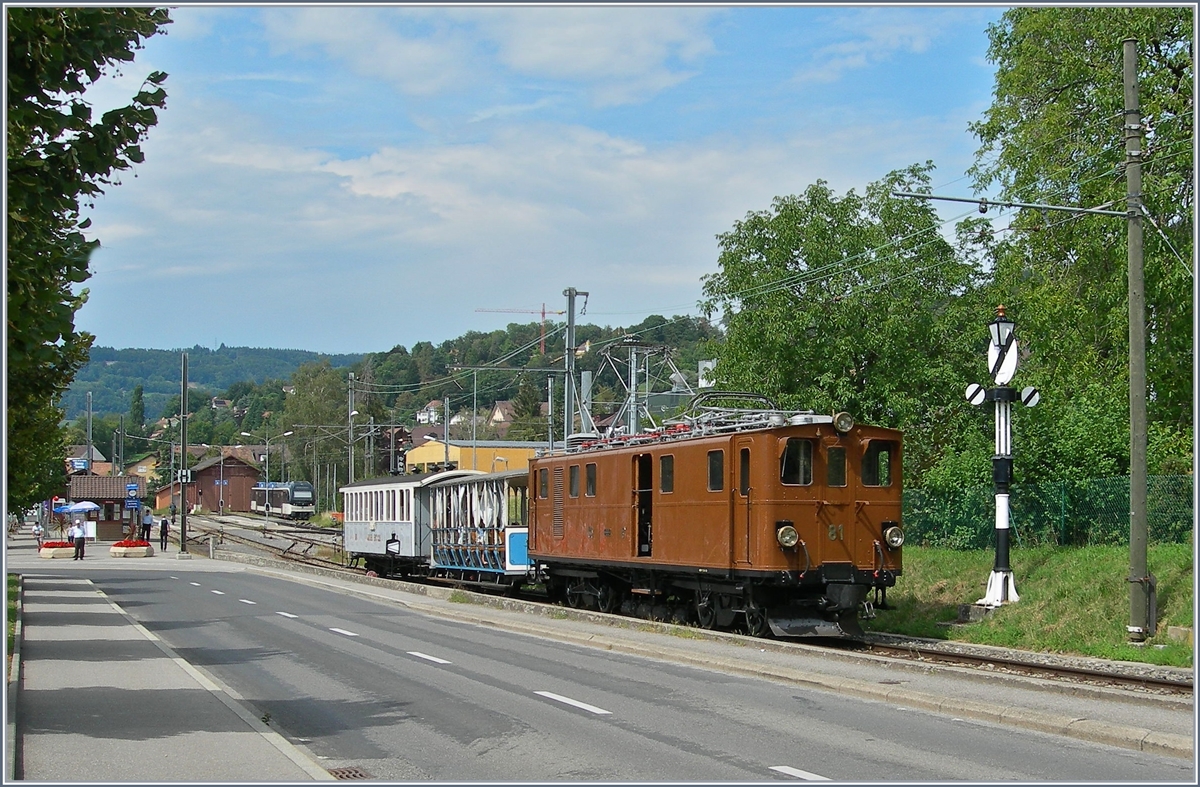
(299, 544)
(1122, 675)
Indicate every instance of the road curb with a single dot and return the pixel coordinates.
(1025, 718)
(11, 750)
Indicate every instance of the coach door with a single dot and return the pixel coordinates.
(742, 498)
(835, 521)
(643, 492)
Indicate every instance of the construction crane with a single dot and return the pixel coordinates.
(543, 312)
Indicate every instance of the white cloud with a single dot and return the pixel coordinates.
(367, 40)
(874, 35)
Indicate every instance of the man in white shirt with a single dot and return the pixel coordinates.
(78, 535)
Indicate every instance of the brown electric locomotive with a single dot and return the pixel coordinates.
(778, 521)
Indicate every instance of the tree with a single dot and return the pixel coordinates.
(528, 423)
(1054, 134)
(852, 303)
(56, 158)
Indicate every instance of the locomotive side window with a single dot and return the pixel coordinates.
(716, 471)
(666, 473)
(574, 481)
(835, 465)
(877, 463)
(795, 466)
(543, 483)
(591, 479)
(744, 472)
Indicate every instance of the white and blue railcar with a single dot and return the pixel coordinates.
(385, 524)
(479, 529)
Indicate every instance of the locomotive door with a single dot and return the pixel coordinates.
(643, 493)
(742, 530)
(835, 521)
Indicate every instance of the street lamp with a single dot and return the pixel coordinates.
(267, 487)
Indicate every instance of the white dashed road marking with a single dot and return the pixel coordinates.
(576, 703)
(247, 601)
(343, 631)
(219, 592)
(427, 657)
(197, 584)
(287, 614)
(799, 774)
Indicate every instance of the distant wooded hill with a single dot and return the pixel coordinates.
(111, 375)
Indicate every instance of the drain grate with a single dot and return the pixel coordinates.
(353, 772)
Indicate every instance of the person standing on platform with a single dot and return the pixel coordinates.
(79, 537)
(147, 523)
(163, 530)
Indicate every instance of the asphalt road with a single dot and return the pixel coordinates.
(404, 696)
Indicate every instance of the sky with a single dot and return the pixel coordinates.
(346, 179)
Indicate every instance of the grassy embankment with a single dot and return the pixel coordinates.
(12, 622)
(1072, 600)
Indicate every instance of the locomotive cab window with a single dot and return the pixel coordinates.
(543, 483)
(877, 463)
(835, 465)
(591, 479)
(666, 473)
(573, 483)
(795, 466)
(716, 471)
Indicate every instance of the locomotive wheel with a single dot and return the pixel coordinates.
(756, 620)
(706, 612)
(609, 599)
(575, 593)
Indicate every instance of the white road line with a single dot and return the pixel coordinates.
(427, 657)
(219, 592)
(799, 774)
(576, 703)
(197, 584)
(174, 577)
(343, 631)
(287, 614)
(247, 601)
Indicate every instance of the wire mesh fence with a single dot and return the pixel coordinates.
(1087, 512)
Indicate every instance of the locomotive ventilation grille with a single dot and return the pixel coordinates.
(353, 772)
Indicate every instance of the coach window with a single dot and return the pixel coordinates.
(574, 481)
(666, 473)
(716, 471)
(795, 466)
(591, 479)
(877, 463)
(835, 465)
(543, 483)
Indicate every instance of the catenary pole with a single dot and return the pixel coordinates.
(1141, 583)
(183, 441)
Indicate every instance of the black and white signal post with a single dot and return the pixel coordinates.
(1002, 360)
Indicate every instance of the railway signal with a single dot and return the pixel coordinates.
(1003, 352)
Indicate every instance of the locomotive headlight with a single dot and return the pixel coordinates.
(787, 536)
(893, 536)
(843, 422)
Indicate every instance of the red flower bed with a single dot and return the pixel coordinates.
(131, 542)
(56, 544)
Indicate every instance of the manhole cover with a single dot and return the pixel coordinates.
(353, 772)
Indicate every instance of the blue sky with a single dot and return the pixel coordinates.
(350, 178)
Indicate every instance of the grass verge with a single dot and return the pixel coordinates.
(12, 623)
(1072, 600)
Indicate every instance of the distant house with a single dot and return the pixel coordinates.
(221, 404)
(225, 479)
(431, 413)
(144, 467)
(77, 460)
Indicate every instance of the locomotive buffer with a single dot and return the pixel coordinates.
(1002, 361)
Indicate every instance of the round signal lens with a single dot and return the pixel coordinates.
(894, 537)
(843, 422)
(787, 536)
